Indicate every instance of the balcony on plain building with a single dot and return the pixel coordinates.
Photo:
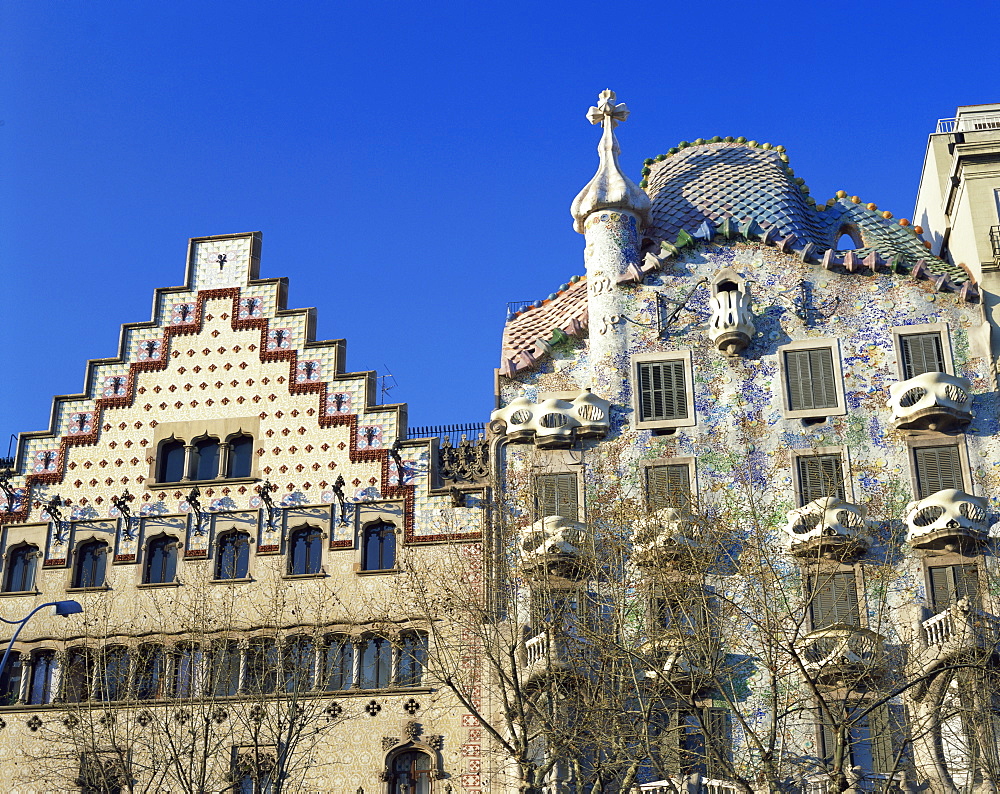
(829, 527)
(931, 401)
(843, 655)
(947, 520)
(960, 632)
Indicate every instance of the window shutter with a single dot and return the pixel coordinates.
(949, 583)
(668, 486)
(966, 582)
(828, 738)
(880, 736)
(937, 468)
(834, 599)
(810, 379)
(662, 390)
(941, 586)
(557, 496)
(671, 742)
(820, 476)
(921, 353)
(717, 742)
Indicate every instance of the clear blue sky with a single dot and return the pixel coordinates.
(411, 165)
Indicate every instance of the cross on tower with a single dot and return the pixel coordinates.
(607, 110)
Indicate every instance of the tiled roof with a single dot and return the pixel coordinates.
(531, 333)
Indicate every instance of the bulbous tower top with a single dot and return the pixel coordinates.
(610, 188)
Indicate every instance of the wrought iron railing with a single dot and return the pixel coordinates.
(453, 433)
(516, 306)
(969, 124)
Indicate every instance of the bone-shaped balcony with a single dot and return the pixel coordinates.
(960, 632)
(948, 520)
(553, 423)
(556, 546)
(828, 527)
(684, 658)
(666, 537)
(842, 654)
(932, 401)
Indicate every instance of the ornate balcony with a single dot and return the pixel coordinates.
(665, 537)
(553, 423)
(932, 401)
(842, 654)
(948, 519)
(556, 546)
(731, 325)
(685, 658)
(829, 527)
(959, 632)
(552, 651)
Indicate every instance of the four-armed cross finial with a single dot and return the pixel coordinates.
(607, 110)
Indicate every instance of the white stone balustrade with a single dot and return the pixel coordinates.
(946, 513)
(828, 517)
(537, 648)
(693, 784)
(553, 422)
(932, 401)
(960, 624)
(731, 325)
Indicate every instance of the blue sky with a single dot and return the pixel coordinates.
(410, 165)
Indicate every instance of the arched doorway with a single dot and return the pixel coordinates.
(410, 773)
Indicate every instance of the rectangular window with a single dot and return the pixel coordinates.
(810, 378)
(937, 468)
(678, 613)
(697, 741)
(870, 741)
(833, 598)
(556, 495)
(820, 476)
(668, 486)
(949, 583)
(662, 391)
(921, 353)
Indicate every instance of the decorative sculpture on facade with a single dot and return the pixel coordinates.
(842, 652)
(553, 422)
(555, 545)
(946, 517)
(932, 401)
(829, 526)
(731, 325)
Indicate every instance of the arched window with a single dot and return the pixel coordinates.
(262, 666)
(187, 669)
(379, 550)
(161, 560)
(77, 675)
(240, 456)
(225, 668)
(91, 564)
(150, 672)
(306, 547)
(43, 673)
(112, 683)
(412, 658)
(299, 661)
(20, 569)
(205, 459)
(376, 663)
(10, 680)
(338, 663)
(410, 773)
(233, 557)
(170, 461)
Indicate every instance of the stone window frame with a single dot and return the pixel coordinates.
(74, 557)
(324, 536)
(930, 558)
(845, 459)
(833, 345)
(213, 557)
(943, 329)
(826, 566)
(194, 430)
(692, 466)
(142, 557)
(685, 357)
(914, 442)
(388, 511)
(561, 462)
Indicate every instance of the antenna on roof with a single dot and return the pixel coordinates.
(387, 383)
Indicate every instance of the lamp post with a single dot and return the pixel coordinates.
(62, 608)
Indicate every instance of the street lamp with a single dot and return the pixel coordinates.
(62, 608)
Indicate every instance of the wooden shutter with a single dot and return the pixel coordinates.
(949, 583)
(662, 391)
(827, 738)
(716, 742)
(810, 379)
(937, 468)
(820, 476)
(921, 353)
(557, 496)
(668, 486)
(670, 742)
(833, 599)
(880, 736)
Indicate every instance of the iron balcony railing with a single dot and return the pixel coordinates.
(453, 433)
(969, 124)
